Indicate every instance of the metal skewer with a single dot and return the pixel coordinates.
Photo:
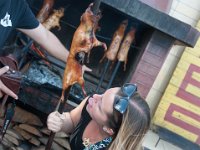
(123, 52)
(102, 76)
(95, 7)
(114, 74)
(61, 103)
(60, 109)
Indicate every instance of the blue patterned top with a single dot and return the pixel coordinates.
(99, 145)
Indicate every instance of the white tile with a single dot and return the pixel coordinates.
(174, 4)
(165, 73)
(153, 99)
(187, 11)
(164, 145)
(177, 51)
(150, 140)
(171, 12)
(192, 3)
(153, 142)
(184, 18)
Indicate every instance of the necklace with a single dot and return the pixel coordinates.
(89, 141)
(99, 145)
(86, 142)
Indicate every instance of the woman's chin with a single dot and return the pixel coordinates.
(89, 110)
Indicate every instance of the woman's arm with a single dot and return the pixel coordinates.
(67, 121)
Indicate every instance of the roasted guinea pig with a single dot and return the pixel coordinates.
(111, 54)
(53, 20)
(84, 40)
(45, 10)
(125, 46)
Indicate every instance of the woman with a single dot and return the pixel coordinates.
(115, 120)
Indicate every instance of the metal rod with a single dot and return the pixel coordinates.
(60, 109)
(3, 103)
(60, 105)
(114, 74)
(95, 7)
(8, 117)
(24, 50)
(102, 76)
(49, 61)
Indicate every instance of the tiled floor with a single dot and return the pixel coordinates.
(153, 142)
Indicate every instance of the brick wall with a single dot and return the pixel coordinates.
(151, 61)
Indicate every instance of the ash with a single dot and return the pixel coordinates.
(41, 73)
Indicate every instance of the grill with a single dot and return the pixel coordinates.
(42, 84)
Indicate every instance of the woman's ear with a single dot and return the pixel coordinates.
(108, 130)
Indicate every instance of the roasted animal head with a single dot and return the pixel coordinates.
(80, 57)
(85, 35)
(90, 18)
(59, 13)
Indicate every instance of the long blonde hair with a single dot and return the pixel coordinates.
(134, 124)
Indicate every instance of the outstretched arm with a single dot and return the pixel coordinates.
(48, 41)
(66, 121)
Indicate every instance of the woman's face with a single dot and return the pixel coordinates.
(100, 106)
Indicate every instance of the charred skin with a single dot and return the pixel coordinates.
(125, 46)
(45, 10)
(84, 40)
(111, 54)
(53, 20)
(72, 74)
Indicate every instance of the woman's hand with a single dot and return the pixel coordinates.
(3, 88)
(55, 121)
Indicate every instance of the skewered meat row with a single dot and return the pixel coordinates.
(111, 54)
(44, 17)
(53, 20)
(45, 10)
(125, 46)
(84, 40)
